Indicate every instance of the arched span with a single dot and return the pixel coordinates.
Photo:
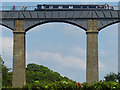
(55, 21)
(108, 25)
(6, 26)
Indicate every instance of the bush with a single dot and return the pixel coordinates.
(63, 85)
(55, 85)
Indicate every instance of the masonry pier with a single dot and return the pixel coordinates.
(19, 54)
(92, 52)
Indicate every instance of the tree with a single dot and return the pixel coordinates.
(1, 63)
(40, 73)
(34, 73)
(6, 75)
(111, 77)
(118, 77)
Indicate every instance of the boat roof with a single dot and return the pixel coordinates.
(70, 4)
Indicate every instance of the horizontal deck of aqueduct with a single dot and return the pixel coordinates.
(76, 17)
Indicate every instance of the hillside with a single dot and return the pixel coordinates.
(41, 73)
(34, 73)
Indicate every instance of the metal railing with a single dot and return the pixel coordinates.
(29, 8)
(17, 8)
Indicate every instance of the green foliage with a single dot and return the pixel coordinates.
(10, 88)
(102, 85)
(39, 77)
(111, 77)
(1, 60)
(36, 72)
(1, 63)
(63, 85)
(6, 75)
(57, 85)
(118, 77)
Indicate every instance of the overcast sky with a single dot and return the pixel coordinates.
(62, 48)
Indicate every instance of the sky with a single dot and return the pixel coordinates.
(60, 0)
(62, 47)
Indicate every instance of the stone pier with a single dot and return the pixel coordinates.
(92, 52)
(19, 54)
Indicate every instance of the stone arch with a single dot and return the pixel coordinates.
(6, 26)
(52, 21)
(108, 25)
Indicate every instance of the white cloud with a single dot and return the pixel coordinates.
(102, 53)
(7, 49)
(66, 61)
(102, 66)
(79, 51)
(69, 61)
(7, 45)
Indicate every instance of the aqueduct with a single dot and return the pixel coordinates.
(92, 21)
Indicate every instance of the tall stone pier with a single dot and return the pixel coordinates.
(19, 54)
(92, 52)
